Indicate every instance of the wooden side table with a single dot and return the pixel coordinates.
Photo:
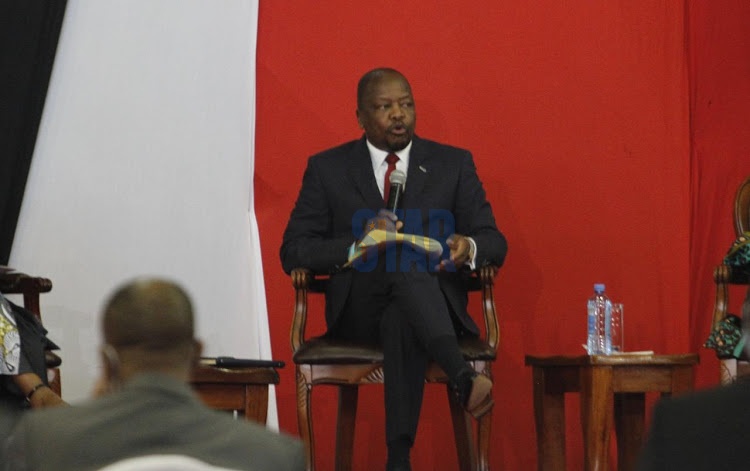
(601, 380)
(244, 390)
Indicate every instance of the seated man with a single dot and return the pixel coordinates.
(703, 430)
(148, 408)
(413, 305)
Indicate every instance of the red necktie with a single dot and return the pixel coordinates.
(391, 159)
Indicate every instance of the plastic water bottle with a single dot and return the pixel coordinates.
(599, 341)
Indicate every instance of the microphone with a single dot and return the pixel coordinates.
(398, 182)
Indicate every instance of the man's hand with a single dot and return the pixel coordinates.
(460, 247)
(385, 220)
(46, 397)
(40, 395)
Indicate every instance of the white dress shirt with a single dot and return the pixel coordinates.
(379, 165)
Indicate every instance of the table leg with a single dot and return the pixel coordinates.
(596, 416)
(630, 409)
(549, 414)
(256, 402)
(682, 378)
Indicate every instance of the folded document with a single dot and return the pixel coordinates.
(380, 239)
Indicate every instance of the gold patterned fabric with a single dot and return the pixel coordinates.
(10, 341)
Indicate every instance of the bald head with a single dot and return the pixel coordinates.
(373, 77)
(149, 322)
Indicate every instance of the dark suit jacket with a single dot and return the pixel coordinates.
(151, 415)
(339, 187)
(703, 431)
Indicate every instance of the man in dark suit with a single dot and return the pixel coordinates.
(702, 431)
(410, 303)
(147, 408)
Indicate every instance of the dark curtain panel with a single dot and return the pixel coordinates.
(29, 30)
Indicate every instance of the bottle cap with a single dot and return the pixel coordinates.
(599, 287)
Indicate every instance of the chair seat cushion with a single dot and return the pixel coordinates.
(331, 351)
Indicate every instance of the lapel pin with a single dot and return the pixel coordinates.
(424, 170)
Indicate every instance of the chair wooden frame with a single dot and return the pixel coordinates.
(355, 365)
(726, 275)
(13, 282)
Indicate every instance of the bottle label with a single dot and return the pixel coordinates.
(599, 341)
(591, 342)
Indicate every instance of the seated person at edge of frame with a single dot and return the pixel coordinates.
(703, 430)
(23, 369)
(146, 406)
(413, 304)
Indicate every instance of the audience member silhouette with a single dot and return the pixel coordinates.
(704, 430)
(146, 407)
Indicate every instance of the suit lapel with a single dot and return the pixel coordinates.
(417, 174)
(361, 174)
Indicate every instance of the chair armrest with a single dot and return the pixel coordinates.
(303, 281)
(486, 276)
(725, 275)
(29, 286)
(300, 281)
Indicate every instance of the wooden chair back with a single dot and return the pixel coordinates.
(742, 208)
(726, 275)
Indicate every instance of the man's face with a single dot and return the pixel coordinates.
(387, 113)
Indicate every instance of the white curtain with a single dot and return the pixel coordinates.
(144, 166)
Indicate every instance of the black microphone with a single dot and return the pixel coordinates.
(398, 182)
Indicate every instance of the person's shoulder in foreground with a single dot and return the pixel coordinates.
(151, 416)
(145, 405)
(703, 430)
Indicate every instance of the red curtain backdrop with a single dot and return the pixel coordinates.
(719, 45)
(579, 118)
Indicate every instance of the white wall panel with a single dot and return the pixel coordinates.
(144, 166)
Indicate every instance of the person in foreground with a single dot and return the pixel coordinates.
(146, 407)
(704, 430)
(412, 304)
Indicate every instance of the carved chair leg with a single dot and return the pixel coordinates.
(347, 414)
(462, 425)
(484, 426)
(304, 418)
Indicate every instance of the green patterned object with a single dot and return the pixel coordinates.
(739, 253)
(726, 339)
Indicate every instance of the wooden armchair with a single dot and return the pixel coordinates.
(348, 365)
(13, 282)
(726, 275)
